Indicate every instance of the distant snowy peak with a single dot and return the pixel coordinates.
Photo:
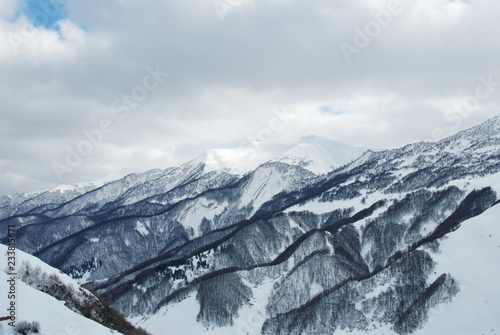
(316, 154)
(62, 192)
(237, 161)
(320, 155)
(84, 187)
(15, 199)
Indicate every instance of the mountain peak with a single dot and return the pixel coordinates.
(238, 160)
(314, 153)
(320, 155)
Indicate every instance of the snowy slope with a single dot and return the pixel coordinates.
(320, 155)
(34, 305)
(183, 316)
(271, 179)
(472, 255)
(53, 316)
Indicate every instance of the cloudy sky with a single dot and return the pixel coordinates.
(92, 88)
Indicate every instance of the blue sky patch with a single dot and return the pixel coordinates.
(45, 13)
(328, 110)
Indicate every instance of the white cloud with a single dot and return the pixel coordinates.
(439, 14)
(8, 9)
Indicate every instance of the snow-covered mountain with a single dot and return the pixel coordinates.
(314, 153)
(320, 155)
(237, 161)
(291, 246)
(20, 203)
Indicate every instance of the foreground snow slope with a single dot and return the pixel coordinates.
(472, 254)
(33, 305)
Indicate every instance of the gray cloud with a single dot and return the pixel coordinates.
(227, 78)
